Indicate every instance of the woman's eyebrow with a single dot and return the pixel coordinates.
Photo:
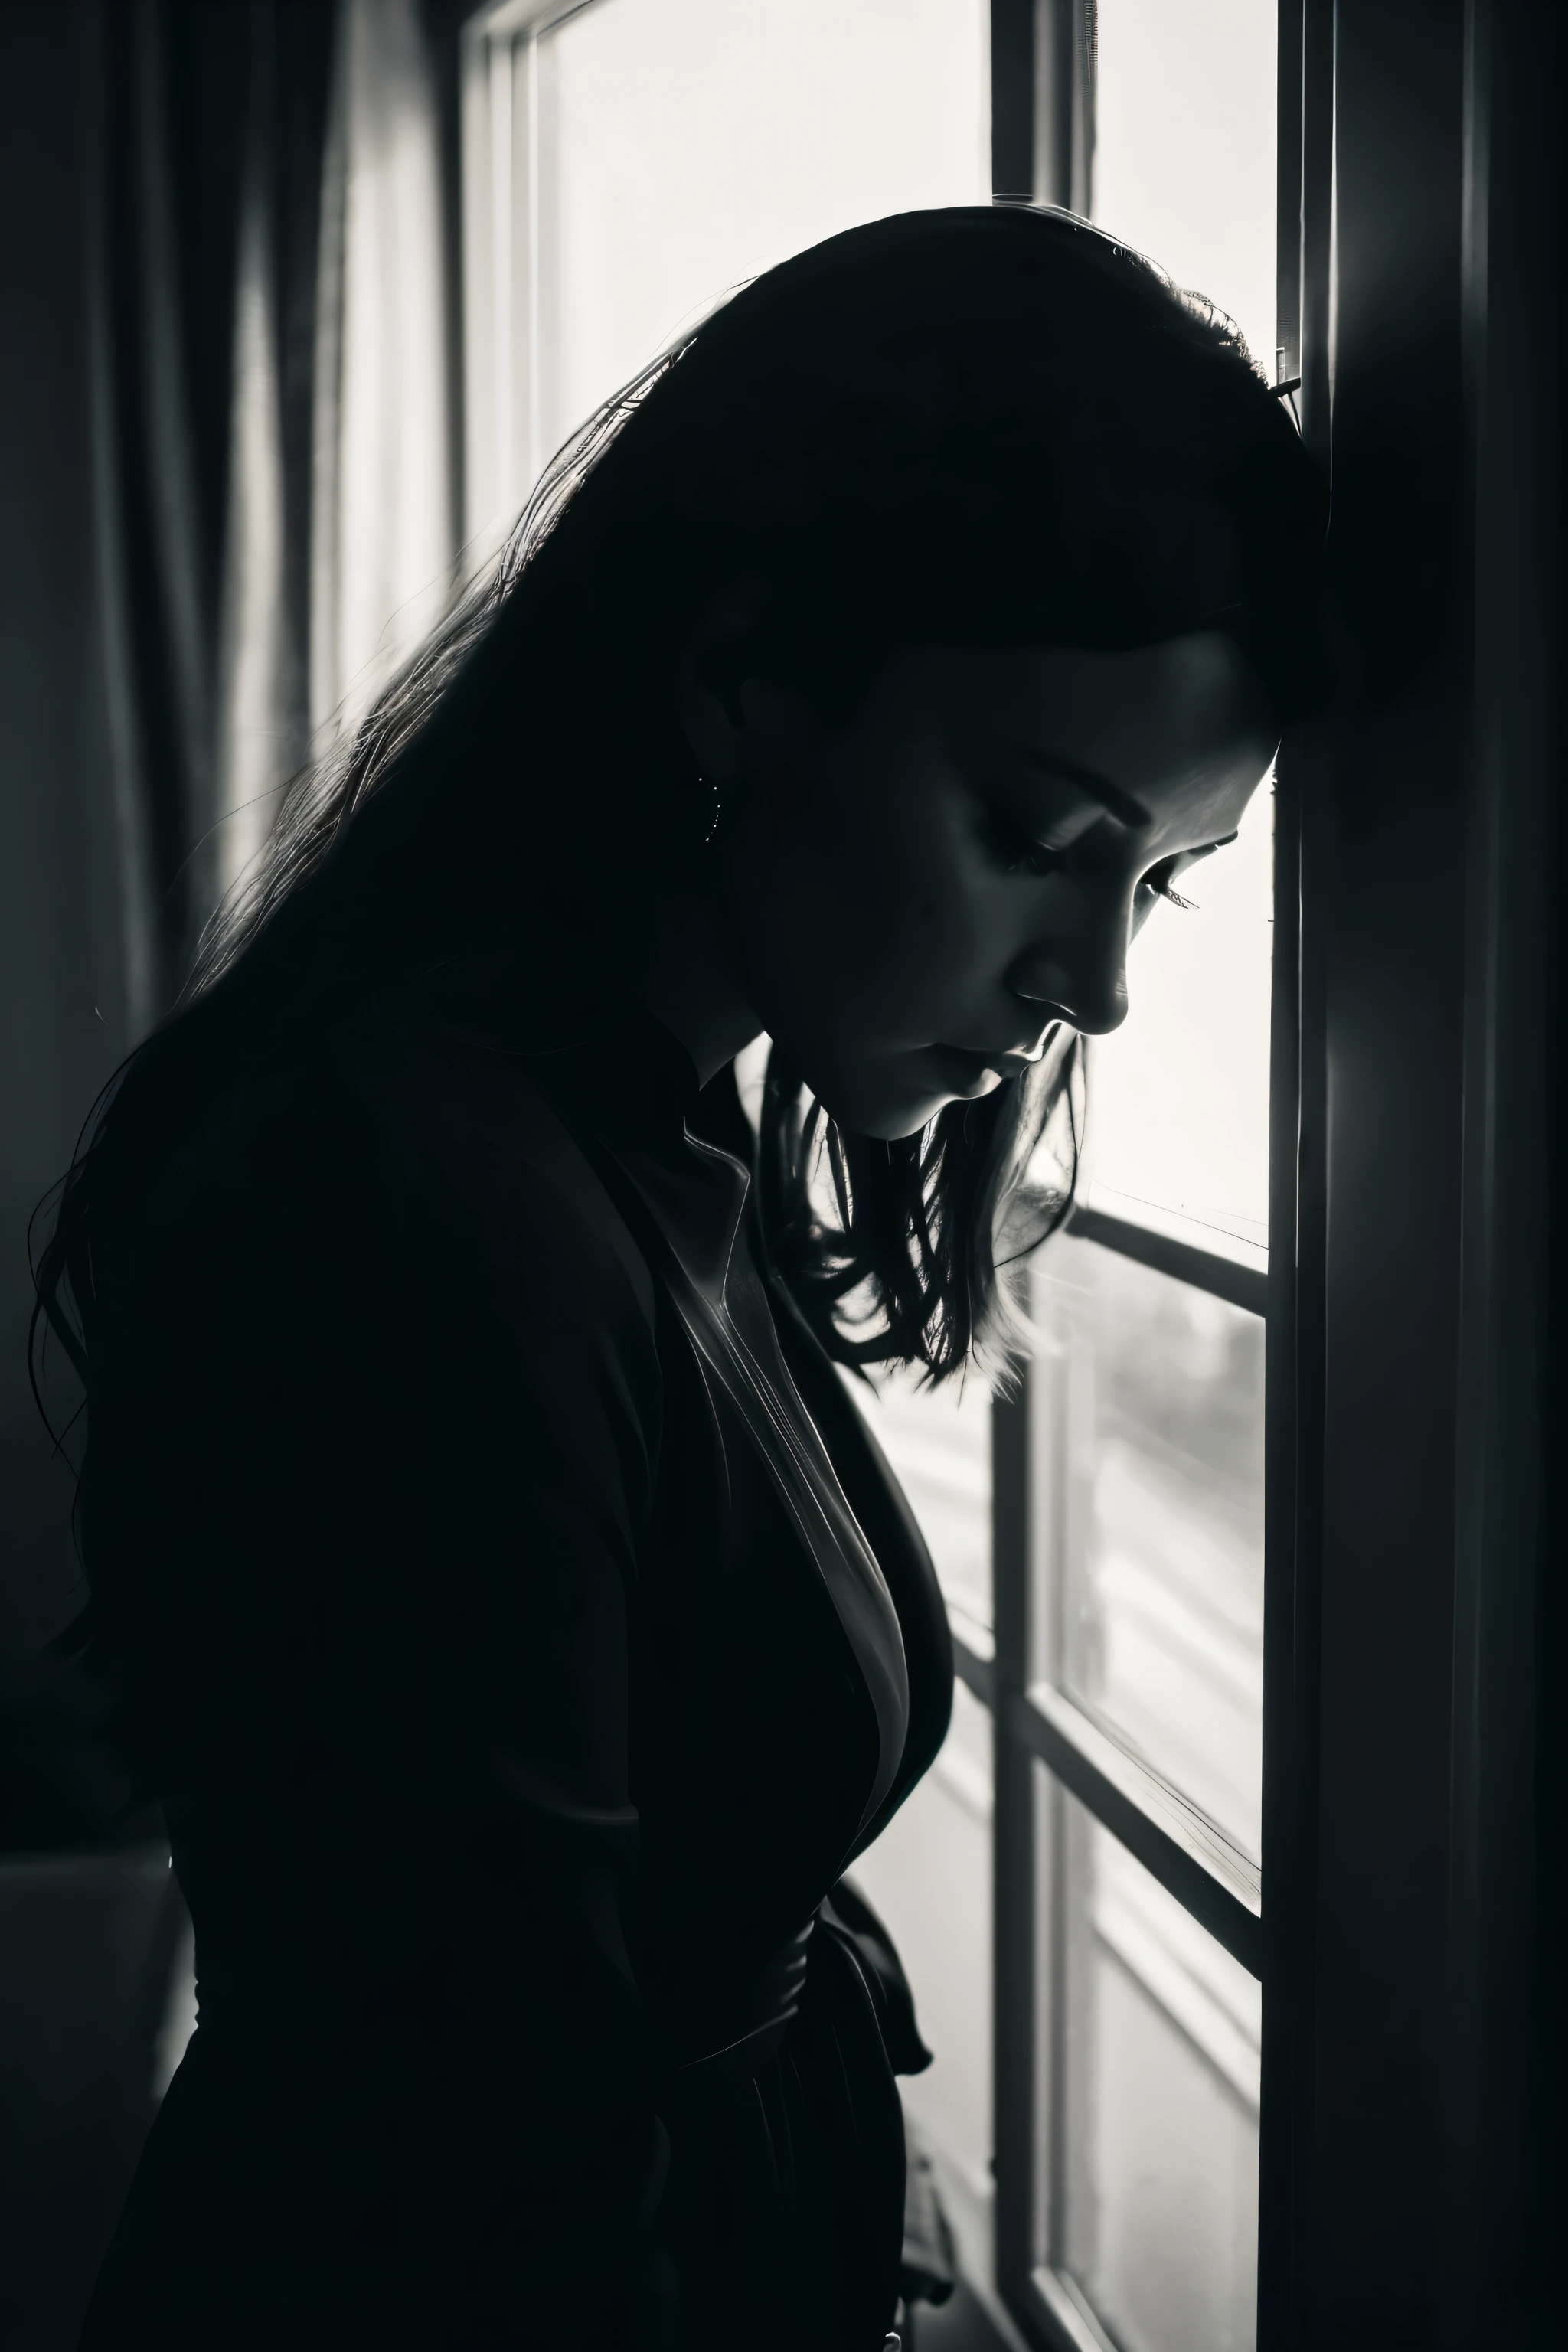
(1111, 798)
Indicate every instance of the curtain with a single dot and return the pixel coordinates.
(271, 340)
(384, 534)
(228, 486)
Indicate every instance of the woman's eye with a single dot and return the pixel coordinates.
(1016, 851)
(1160, 879)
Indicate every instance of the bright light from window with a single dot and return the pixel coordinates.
(1178, 1117)
(1156, 2197)
(664, 152)
(1184, 147)
(1184, 170)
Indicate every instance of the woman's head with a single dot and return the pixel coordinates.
(912, 898)
(968, 569)
(986, 564)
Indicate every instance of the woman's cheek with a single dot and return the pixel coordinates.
(963, 908)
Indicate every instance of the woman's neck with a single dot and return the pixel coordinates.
(691, 990)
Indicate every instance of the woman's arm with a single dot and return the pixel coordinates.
(550, 1436)
(367, 1482)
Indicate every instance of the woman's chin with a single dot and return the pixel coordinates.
(888, 1105)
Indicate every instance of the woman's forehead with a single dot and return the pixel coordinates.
(1131, 720)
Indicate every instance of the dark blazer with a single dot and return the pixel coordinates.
(522, 1634)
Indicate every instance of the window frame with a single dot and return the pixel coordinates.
(1047, 48)
(1032, 1725)
(1399, 2148)
(1402, 2040)
(1411, 1793)
(499, 102)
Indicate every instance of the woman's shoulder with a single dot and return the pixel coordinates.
(458, 1113)
(410, 1152)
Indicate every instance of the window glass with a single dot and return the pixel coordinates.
(684, 145)
(1149, 2214)
(1184, 170)
(1148, 1537)
(928, 1877)
(937, 1443)
(1178, 1098)
(1184, 113)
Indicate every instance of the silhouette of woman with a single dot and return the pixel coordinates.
(499, 1590)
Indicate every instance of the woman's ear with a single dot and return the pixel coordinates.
(712, 669)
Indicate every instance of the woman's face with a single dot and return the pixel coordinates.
(908, 901)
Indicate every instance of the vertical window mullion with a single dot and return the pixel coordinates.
(1289, 1607)
(1014, 32)
(1296, 1218)
(1014, 1897)
(1031, 42)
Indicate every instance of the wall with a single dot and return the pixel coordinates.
(61, 1010)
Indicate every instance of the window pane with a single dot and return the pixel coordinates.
(1178, 1097)
(938, 1445)
(1184, 170)
(1184, 115)
(929, 1876)
(1151, 2187)
(1148, 1542)
(685, 146)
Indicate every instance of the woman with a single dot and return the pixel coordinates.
(501, 1594)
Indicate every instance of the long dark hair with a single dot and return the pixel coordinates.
(986, 428)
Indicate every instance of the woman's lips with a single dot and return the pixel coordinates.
(969, 1074)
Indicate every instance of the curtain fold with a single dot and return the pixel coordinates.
(269, 328)
(383, 536)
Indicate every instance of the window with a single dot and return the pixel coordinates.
(1121, 1659)
(625, 163)
(629, 162)
(1214, 1900)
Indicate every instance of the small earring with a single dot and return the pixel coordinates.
(713, 820)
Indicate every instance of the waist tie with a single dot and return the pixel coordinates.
(770, 2003)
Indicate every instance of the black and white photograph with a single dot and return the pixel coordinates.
(783, 1114)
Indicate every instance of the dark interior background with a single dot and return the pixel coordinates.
(85, 1936)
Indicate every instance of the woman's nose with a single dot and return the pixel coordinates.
(1086, 987)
